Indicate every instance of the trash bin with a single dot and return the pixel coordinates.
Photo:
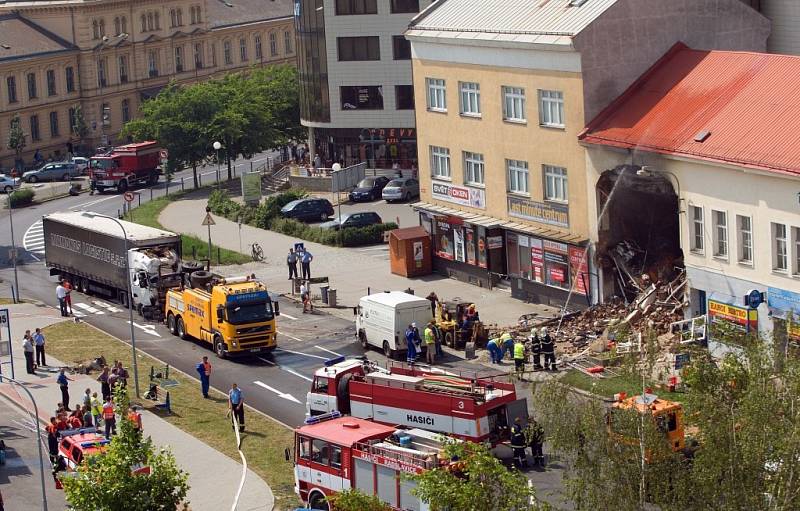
(331, 297)
(324, 291)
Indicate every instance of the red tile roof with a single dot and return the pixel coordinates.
(749, 103)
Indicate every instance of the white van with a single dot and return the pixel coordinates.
(382, 319)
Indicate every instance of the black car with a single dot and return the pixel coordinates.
(361, 219)
(368, 189)
(308, 210)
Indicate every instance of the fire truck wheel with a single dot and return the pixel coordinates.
(317, 501)
(122, 186)
(83, 285)
(387, 351)
(171, 324)
(219, 346)
(100, 189)
(449, 339)
(343, 394)
(181, 328)
(362, 337)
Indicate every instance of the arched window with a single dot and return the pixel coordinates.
(198, 17)
(180, 17)
(144, 23)
(150, 21)
(102, 28)
(95, 30)
(117, 27)
(191, 13)
(124, 25)
(173, 20)
(158, 22)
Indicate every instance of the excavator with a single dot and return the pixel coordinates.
(451, 317)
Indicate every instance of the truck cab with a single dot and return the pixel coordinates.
(667, 416)
(125, 166)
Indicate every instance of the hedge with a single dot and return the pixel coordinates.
(267, 215)
(21, 197)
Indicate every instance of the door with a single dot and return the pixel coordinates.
(497, 258)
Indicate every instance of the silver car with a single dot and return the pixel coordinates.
(400, 189)
(8, 184)
(52, 172)
(81, 163)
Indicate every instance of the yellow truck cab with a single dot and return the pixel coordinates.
(235, 315)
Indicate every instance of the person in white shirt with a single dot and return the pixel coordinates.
(61, 294)
(305, 296)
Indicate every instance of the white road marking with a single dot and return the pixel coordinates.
(88, 308)
(290, 336)
(33, 239)
(288, 370)
(300, 353)
(105, 305)
(280, 394)
(150, 329)
(78, 314)
(283, 314)
(326, 349)
(93, 202)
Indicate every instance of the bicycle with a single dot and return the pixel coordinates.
(256, 252)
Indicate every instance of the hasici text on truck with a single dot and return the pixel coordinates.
(235, 315)
(89, 251)
(125, 166)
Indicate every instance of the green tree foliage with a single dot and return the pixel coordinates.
(17, 140)
(480, 482)
(105, 482)
(79, 128)
(354, 500)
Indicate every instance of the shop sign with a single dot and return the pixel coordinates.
(494, 242)
(537, 259)
(389, 135)
(740, 317)
(579, 267)
(470, 197)
(418, 254)
(545, 213)
(782, 302)
(557, 274)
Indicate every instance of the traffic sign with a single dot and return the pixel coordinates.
(754, 298)
(163, 154)
(128, 197)
(208, 220)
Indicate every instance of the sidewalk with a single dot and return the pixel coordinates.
(352, 271)
(213, 476)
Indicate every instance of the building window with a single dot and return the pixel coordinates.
(53, 124)
(179, 59)
(362, 97)
(106, 110)
(152, 64)
(273, 44)
(470, 98)
(173, 18)
(124, 25)
(404, 97)
(555, 184)
(436, 94)
(213, 55)
(69, 74)
(11, 86)
(95, 29)
(551, 108)
(192, 15)
(117, 26)
(345, 7)
(796, 243)
(35, 136)
(259, 52)
(404, 6)
(158, 22)
(102, 78)
(226, 50)
(243, 49)
(144, 23)
(744, 225)
(126, 110)
(198, 56)
(102, 25)
(697, 229)
(72, 120)
(514, 104)
(287, 41)
(401, 48)
(31, 86)
(779, 248)
(473, 168)
(440, 162)
(180, 17)
(51, 82)
(122, 64)
(150, 24)
(358, 48)
(720, 219)
(517, 176)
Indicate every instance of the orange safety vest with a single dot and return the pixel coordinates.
(108, 412)
(207, 368)
(136, 419)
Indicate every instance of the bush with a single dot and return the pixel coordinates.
(21, 197)
(370, 235)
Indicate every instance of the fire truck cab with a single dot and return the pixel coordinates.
(475, 409)
(334, 453)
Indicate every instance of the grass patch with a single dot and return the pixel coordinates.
(607, 387)
(147, 214)
(262, 443)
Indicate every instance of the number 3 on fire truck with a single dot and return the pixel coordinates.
(461, 405)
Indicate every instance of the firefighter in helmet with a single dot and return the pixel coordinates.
(519, 444)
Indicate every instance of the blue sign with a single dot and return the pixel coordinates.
(256, 296)
(754, 298)
(782, 302)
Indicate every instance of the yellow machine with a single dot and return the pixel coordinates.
(450, 317)
(234, 315)
(668, 416)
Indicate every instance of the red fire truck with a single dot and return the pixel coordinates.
(125, 166)
(476, 409)
(334, 453)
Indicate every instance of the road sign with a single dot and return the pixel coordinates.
(208, 220)
(128, 197)
(162, 154)
(754, 298)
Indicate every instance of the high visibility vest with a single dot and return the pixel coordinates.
(136, 419)
(108, 412)
(97, 409)
(519, 351)
(429, 337)
(207, 368)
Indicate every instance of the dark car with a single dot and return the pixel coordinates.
(308, 210)
(362, 219)
(368, 189)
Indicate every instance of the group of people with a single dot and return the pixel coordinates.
(63, 291)
(33, 346)
(525, 436)
(539, 344)
(112, 376)
(432, 337)
(304, 257)
(235, 396)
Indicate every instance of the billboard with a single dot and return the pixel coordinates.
(470, 197)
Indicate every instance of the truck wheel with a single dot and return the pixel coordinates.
(219, 346)
(387, 351)
(83, 285)
(318, 501)
(100, 189)
(362, 337)
(449, 339)
(8, 189)
(343, 394)
(122, 186)
(181, 328)
(171, 324)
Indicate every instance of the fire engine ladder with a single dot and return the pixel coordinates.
(401, 454)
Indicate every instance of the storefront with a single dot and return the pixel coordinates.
(784, 306)
(379, 147)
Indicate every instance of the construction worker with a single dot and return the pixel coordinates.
(536, 349)
(439, 336)
(204, 370)
(411, 354)
(496, 354)
(519, 358)
(506, 344)
(534, 434)
(518, 444)
(549, 350)
(430, 343)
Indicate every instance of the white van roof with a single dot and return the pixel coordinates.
(397, 298)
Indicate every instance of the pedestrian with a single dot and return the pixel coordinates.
(549, 351)
(63, 382)
(109, 419)
(430, 344)
(495, 353)
(411, 354)
(291, 262)
(305, 261)
(61, 294)
(437, 333)
(87, 398)
(305, 297)
(317, 163)
(92, 182)
(105, 388)
(204, 370)
(61, 419)
(536, 348)
(518, 444)
(122, 374)
(27, 347)
(86, 415)
(96, 407)
(38, 341)
(535, 436)
(113, 378)
(506, 344)
(136, 419)
(236, 403)
(68, 297)
(519, 358)
(74, 420)
(52, 438)
(434, 300)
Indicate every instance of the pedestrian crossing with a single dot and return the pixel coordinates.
(97, 307)
(33, 240)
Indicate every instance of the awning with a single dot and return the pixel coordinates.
(488, 221)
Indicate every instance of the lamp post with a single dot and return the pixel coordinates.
(217, 146)
(208, 224)
(128, 292)
(336, 167)
(15, 294)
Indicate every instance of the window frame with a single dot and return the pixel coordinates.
(53, 118)
(473, 161)
(350, 49)
(741, 245)
(400, 48)
(394, 9)
(514, 99)
(287, 42)
(555, 175)
(440, 163)
(351, 9)
(32, 89)
(519, 168)
(397, 88)
(258, 46)
(697, 230)
(50, 78)
(545, 103)
(467, 92)
(69, 78)
(125, 110)
(795, 251)
(776, 242)
(273, 44)
(721, 237)
(227, 52)
(11, 89)
(152, 64)
(33, 123)
(179, 67)
(436, 91)
(122, 68)
(242, 49)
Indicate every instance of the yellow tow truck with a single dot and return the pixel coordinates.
(236, 316)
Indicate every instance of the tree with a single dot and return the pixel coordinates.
(478, 481)
(17, 140)
(79, 127)
(105, 482)
(354, 500)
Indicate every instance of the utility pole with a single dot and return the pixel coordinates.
(15, 293)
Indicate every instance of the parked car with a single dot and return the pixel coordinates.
(8, 183)
(81, 163)
(400, 189)
(308, 210)
(52, 172)
(368, 188)
(361, 219)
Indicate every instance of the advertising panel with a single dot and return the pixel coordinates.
(579, 268)
(742, 318)
(542, 212)
(470, 197)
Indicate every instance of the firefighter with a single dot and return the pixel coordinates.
(549, 351)
(536, 349)
(411, 355)
(518, 444)
(519, 358)
(534, 435)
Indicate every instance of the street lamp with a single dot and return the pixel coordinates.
(127, 291)
(15, 294)
(336, 167)
(217, 146)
